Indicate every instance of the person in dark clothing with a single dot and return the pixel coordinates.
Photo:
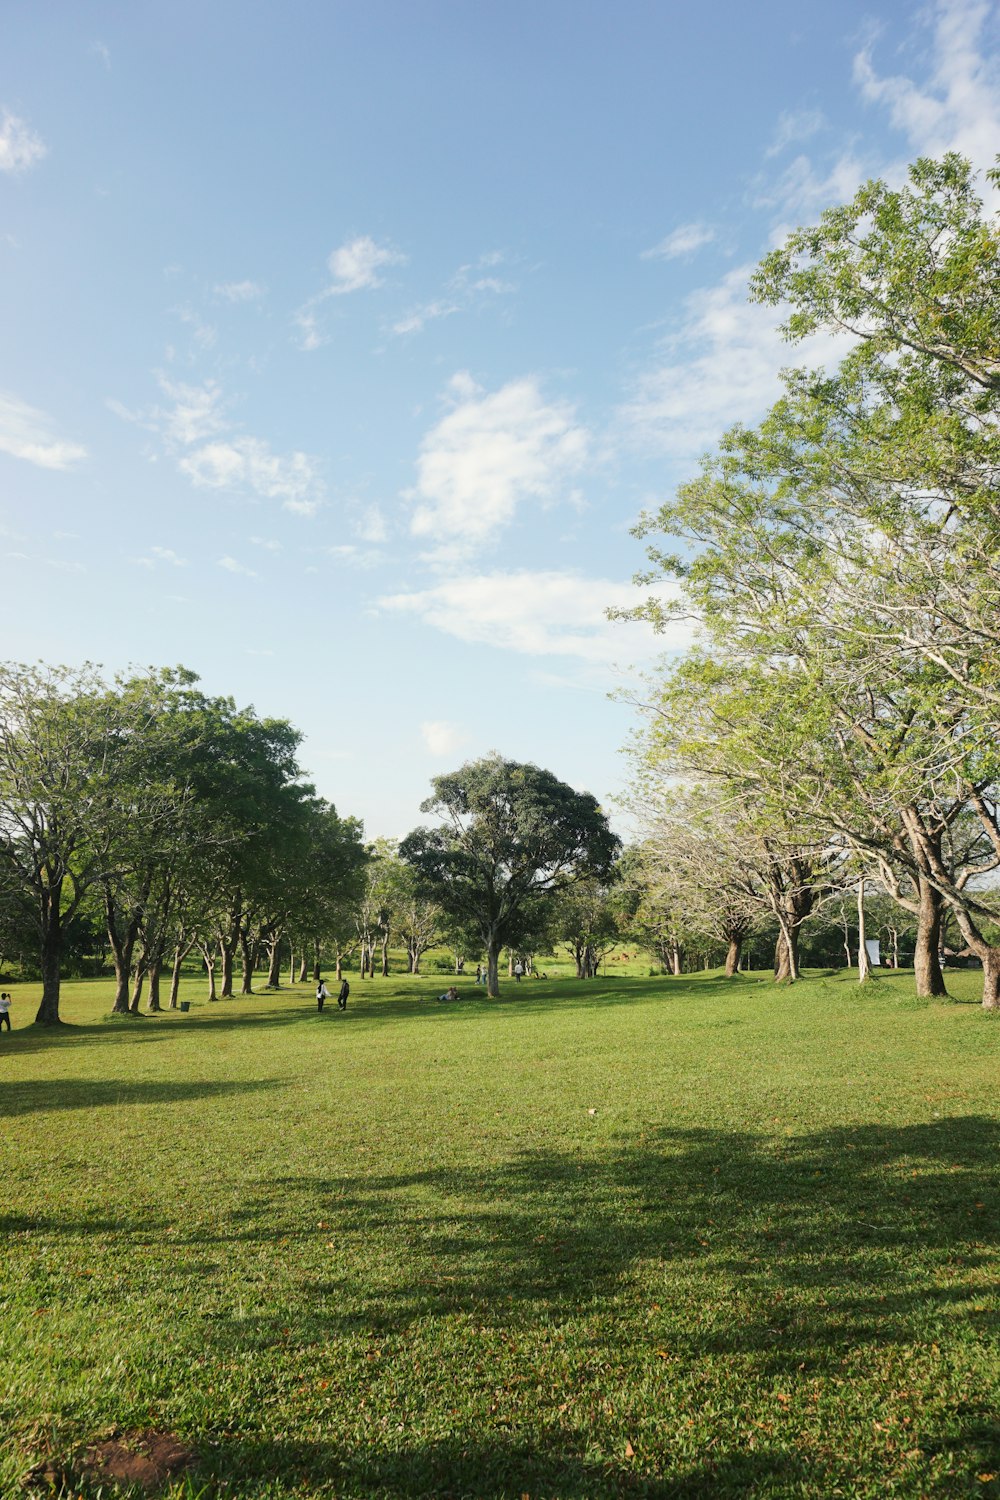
(345, 990)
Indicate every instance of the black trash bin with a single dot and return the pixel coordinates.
(184, 1005)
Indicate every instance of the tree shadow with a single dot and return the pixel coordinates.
(35, 1095)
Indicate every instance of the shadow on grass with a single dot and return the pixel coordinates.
(87, 1093)
(782, 1259)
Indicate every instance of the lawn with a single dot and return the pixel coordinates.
(662, 1237)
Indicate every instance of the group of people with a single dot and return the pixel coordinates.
(323, 994)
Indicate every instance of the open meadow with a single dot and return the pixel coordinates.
(639, 1236)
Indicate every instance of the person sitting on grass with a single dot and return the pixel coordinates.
(450, 994)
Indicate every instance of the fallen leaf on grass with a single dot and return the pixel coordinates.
(629, 1450)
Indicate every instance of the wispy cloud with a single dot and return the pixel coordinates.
(442, 737)
(470, 287)
(684, 240)
(26, 432)
(232, 566)
(240, 291)
(539, 614)
(100, 49)
(20, 147)
(491, 452)
(355, 266)
(721, 365)
(957, 108)
(247, 464)
(795, 126)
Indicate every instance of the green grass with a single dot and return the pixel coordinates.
(633, 1237)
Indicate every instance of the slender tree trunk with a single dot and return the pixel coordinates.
(675, 958)
(153, 1002)
(180, 954)
(246, 965)
(340, 966)
(291, 963)
(51, 955)
(733, 956)
(864, 962)
(208, 953)
(226, 955)
(927, 972)
(303, 969)
(274, 963)
(384, 943)
(138, 979)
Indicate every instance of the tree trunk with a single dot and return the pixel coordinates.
(291, 964)
(733, 956)
(384, 942)
(340, 967)
(926, 957)
(180, 953)
(226, 954)
(208, 954)
(48, 1011)
(492, 976)
(138, 979)
(246, 965)
(317, 971)
(153, 1003)
(303, 970)
(675, 959)
(991, 980)
(864, 962)
(786, 955)
(274, 963)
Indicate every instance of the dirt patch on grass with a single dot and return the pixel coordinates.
(145, 1460)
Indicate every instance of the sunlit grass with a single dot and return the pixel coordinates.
(632, 1237)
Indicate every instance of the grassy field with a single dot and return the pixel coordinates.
(635, 1237)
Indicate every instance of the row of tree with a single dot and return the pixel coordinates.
(179, 818)
(837, 721)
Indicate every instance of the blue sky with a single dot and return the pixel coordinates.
(343, 344)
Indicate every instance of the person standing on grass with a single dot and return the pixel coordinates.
(345, 990)
(321, 994)
(518, 970)
(5, 1011)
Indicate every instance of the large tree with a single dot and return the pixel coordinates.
(510, 835)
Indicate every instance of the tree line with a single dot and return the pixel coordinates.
(835, 724)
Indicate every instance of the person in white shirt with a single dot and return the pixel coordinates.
(321, 994)
(5, 1011)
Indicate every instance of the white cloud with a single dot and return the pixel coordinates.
(794, 126)
(20, 147)
(958, 107)
(240, 291)
(371, 526)
(721, 366)
(100, 49)
(268, 543)
(487, 455)
(197, 412)
(540, 614)
(247, 463)
(309, 335)
(358, 557)
(167, 555)
(356, 264)
(442, 737)
(232, 566)
(27, 433)
(684, 240)
(418, 317)
(465, 290)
